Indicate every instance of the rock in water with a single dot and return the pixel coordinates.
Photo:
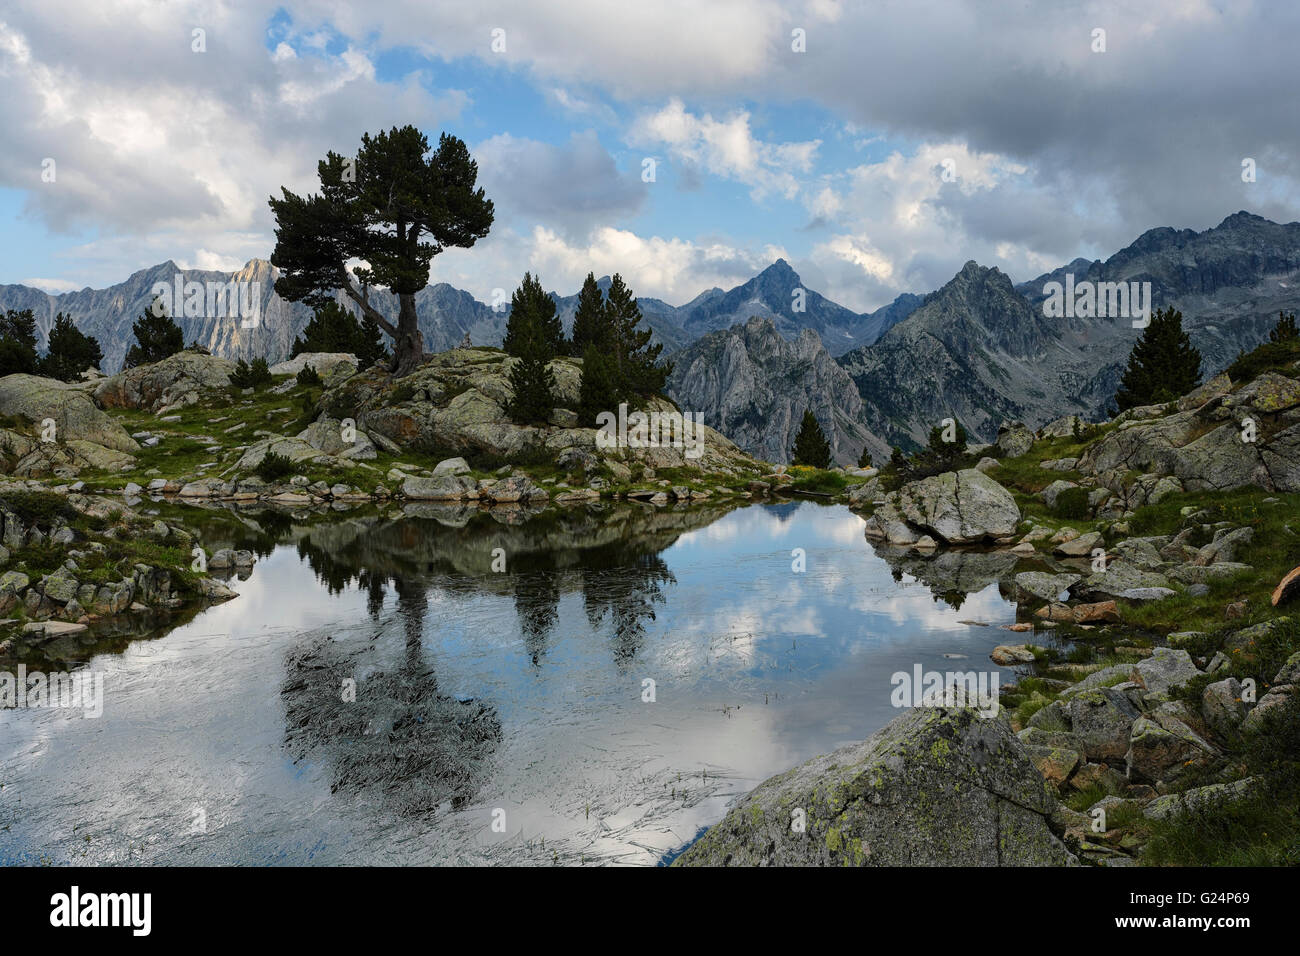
(960, 507)
(935, 787)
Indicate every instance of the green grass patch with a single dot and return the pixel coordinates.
(818, 481)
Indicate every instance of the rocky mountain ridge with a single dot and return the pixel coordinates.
(446, 314)
(753, 385)
(982, 350)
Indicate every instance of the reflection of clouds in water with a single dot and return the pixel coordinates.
(737, 631)
(829, 578)
(736, 624)
(264, 599)
(914, 605)
(846, 529)
(794, 520)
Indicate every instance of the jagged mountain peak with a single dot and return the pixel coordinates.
(756, 383)
(1242, 218)
(780, 269)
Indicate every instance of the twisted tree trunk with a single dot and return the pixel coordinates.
(408, 342)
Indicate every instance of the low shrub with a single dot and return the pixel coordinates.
(1072, 503)
(274, 467)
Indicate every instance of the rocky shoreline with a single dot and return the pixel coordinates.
(1164, 657)
(1156, 719)
(94, 461)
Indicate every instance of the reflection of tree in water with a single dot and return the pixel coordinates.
(398, 742)
(373, 584)
(613, 559)
(625, 587)
(537, 602)
(954, 599)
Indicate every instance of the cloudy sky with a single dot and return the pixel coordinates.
(902, 139)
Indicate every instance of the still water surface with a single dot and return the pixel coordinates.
(481, 695)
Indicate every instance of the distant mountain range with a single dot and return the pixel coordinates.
(750, 359)
(446, 313)
(981, 350)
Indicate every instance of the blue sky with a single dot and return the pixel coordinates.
(903, 140)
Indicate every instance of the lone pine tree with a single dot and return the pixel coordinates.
(532, 314)
(810, 445)
(70, 352)
(1163, 364)
(156, 337)
(636, 361)
(394, 207)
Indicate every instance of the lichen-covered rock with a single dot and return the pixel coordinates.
(1080, 546)
(1165, 669)
(1101, 719)
(1225, 546)
(178, 380)
(440, 488)
(1222, 708)
(1053, 491)
(1106, 676)
(886, 523)
(958, 507)
(934, 787)
(1118, 578)
(326, 364)
(1201, 800)
(329, 437)
(1161, 746)
(521, 488)
(1179, 445)
(1243, 646)
(60, 586)
(454, 466)
(294, 449)
(75, 416)
(1141, 552)
(1064, 427)
(213, 590)
(1056, 764)
(1014, 439)
(1044, 586)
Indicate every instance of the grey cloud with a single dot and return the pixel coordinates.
(572, 187)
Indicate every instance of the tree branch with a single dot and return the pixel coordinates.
(369, 310)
